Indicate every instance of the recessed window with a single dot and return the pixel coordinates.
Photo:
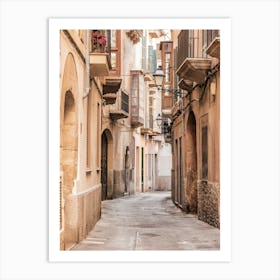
(137, 98)
(167, 67)
(204, 171)
(115, 49)
(113, 38)
(113, 60)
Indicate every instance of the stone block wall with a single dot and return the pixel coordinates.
(81, 214)
(209, 203)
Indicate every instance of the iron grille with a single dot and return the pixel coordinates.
(211, 35)
(183, 43)
(187, 40)
(125, 102)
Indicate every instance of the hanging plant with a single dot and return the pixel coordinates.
(98, 41)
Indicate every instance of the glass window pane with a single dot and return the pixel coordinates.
(113, 39)
(167, 67)
(167, 90)
(114, 60)
(135, 85)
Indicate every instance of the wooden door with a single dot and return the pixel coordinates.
(104, 167)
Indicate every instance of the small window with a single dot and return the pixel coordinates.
(113, 60)
(191, 43)
(115, 51)
(204, 43)
(167, 90)
(113, 39)
(167, 67)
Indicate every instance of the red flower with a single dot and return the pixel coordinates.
(98, 39)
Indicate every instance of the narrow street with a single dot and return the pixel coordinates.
(140, 114)
(148, 221)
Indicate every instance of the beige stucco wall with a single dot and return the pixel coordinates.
(198, 195)
(207, 192)
(81, 181)
(82, 199)
(123, 134)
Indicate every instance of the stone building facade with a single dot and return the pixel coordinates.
(110, 144)
(108, 106)
(128, 121)
(196, 124)
(80, 101)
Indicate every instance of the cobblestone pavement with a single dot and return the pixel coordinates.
(149, 221)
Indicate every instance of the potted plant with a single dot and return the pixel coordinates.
(98, 41)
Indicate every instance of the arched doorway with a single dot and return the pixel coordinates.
(68, 149)
(191, 165)
(69, 143)
(106, 165)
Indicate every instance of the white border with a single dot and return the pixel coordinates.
(224, 254)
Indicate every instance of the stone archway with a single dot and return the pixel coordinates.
(68, 149)
(107, 165)
(191, 165)
(69, 143)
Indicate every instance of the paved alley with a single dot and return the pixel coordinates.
(148, 221)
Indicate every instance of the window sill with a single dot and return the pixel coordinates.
(88, 170)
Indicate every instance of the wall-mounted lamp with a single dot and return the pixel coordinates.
(159, 77)
(159, 120)
(159, 81)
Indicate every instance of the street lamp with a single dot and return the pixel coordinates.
(159, 77)
(159, 120)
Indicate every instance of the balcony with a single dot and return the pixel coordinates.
(120, 110)
(149, 131)
(137, 98)
(194, 69)
(110, 89)
(193, 65)
(185, 85)
(214, 48)
(135, 35)
(156, 33)
(99, 64)
(168, 138)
